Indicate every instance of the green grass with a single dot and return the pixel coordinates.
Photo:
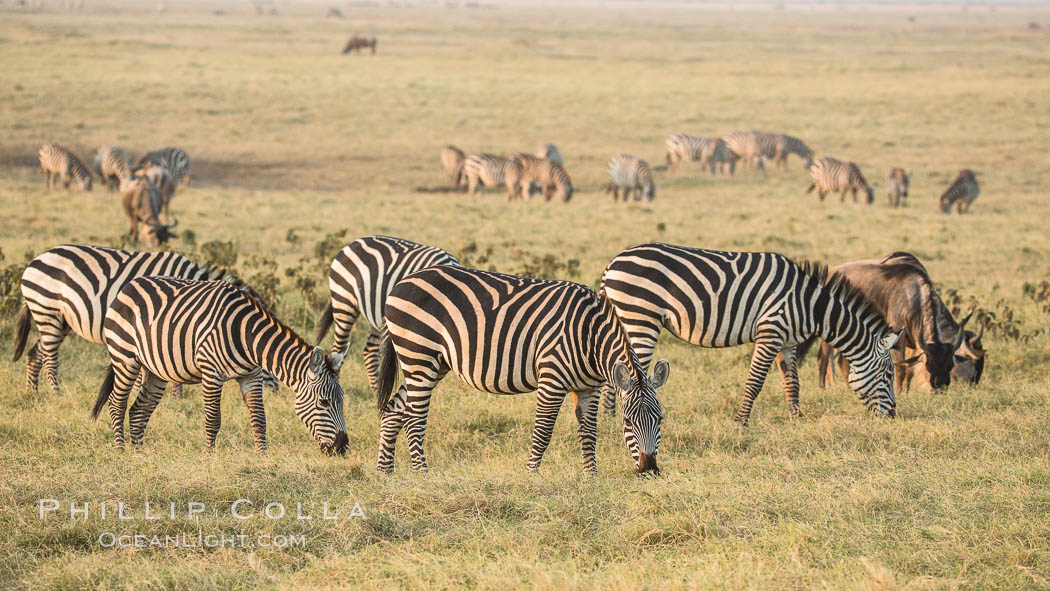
(286, 134)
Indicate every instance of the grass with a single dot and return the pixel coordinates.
(292, 142)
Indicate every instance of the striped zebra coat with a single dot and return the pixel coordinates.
(549, 175)
(710, 152)
(744, 145)
(831, 175)
(208, 332)
(452, 161)
(961, 193)
(70, 287)
(631, 174)
(174, 159)
(57, 163)
(511, 335)
(722, 299)
(897, 182)
(111, 165)
(360, 279)
(777, 147)
(490, 170)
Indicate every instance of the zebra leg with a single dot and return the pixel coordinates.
(788, 362)
(417, 407)
(767, 346)
(587, 424)
(344, 315)
(211, 388)
(609, 399)
(824, 366)
(149, 397)
(251, 392)
(123, 379)
(371, 358)
(548, 403)
(50, 339)
(393, 418)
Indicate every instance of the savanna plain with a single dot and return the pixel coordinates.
(296, 150)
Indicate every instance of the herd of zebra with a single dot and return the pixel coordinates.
(146, 189)
(523, 173)
(164, 318)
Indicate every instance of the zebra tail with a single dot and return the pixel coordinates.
(324, 323)
(103, 393)
(21, 331)
(387, 371)
(803, 348)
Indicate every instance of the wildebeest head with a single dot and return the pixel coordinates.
(940, 360)
(970, 358)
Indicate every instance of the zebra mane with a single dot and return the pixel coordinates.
(838, 285)
(621, 333)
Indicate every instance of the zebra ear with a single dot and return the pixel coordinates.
(890, 340)
(316, 360)
(660, 373)
(335, 361)
(621, 376)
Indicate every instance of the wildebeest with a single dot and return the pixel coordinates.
(898, 187)
(969, 357)
(142, 203)
(162, 179)
(901, 290)
(359, 43)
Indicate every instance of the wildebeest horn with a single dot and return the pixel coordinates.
(980, 333)
(175, 223)
(961, 335)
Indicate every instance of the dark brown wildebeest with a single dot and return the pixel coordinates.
(360, 43)
(899, 287)
(142, 203)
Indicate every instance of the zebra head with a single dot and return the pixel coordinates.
(319, 402)
(872, 376)
(642, 413)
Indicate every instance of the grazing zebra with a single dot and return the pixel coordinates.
(360, 278)
(830, 175)
(710, 152)
(452, 160)
(69, 287)
(174, 159)
(962, 192)
(491, 170)
(111, 165)
(208, 332)
(549, 175)
(744, 145)
(777, 147)
(721, 299)
(550, 152)
(630, 173)
(511, 335)
(898, 187)
(57, 162)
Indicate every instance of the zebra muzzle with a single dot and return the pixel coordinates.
(647, 465)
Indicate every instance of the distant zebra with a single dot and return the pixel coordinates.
(360, 278)
(511, 335)
(452, 161)
(961, 193)
(491, 170)
(631, 174)
(777, 147)
(744, 145)
(208, 332)
(710, 152)
(69, 287)
(550, 152)
(830, 175)
(111, 165)
(898, 187)
(174, 159)
(721, 299)
(549, 175)
(57, 162)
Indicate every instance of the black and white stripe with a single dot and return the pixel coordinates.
(61, 163)
(511, 335)
(548, 175)
(961, 193)
(360, 279)
(832, 175)
(174, 159)
(897, 187)
(111, 165)
(491, 171)
(631, 174)
(208, 332)
(778, 146)
(744, 145)
(710, 152)
(721, 299)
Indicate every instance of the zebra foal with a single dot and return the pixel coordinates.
(505, 334)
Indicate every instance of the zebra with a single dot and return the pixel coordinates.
(744, 145)
(505, 334)
(111, 165)
(550, 152)
(69, 287)
(174, 159)
(491, 170)
(360, 279)
(549, 175)
(898, 187)
(452, 159)
(207, 332)
(961, 193)
(711, 152)
(830, 174)
(630, 173)
(57, 162)
(777, 147)
(721, 299)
